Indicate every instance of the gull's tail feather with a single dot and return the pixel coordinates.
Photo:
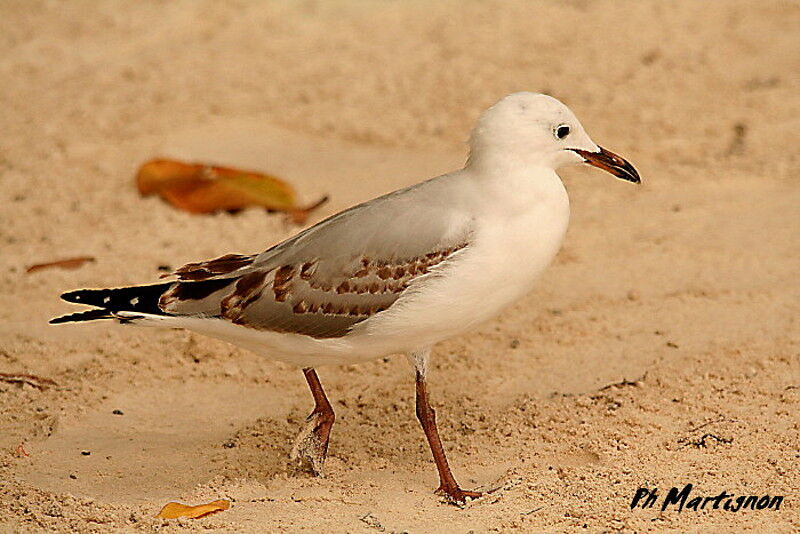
(110, 302)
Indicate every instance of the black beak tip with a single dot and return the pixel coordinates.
(633, 178)
(612, 163)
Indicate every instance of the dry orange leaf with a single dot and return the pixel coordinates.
(174, 510)
(199, 188)
(69, 263)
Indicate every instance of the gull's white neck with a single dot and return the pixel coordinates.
(513, 188)
(525, 213)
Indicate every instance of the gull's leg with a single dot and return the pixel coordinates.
(427, 418)
(311, 446)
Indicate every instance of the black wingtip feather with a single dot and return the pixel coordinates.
(89, 315)
(134, 298)
(75, 296)
(143, 299)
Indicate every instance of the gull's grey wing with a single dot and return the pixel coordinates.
(333, 275)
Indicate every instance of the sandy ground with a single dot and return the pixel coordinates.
(686, 286)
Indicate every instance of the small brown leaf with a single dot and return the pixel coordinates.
(69, 263)
(199, 188)
(174, 510)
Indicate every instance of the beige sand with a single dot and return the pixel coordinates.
(687, 285)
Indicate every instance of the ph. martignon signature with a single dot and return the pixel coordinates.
(684, 500)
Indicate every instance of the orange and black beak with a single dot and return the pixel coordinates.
(608, 161)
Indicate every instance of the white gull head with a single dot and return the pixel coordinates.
(536, 130)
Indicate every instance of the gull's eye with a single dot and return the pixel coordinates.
(561, 131)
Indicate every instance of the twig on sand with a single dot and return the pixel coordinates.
(32, 380)
(372, 521)
(68, 263)
(712, 422)
(701, 443)
(625, 382)
(529, 512)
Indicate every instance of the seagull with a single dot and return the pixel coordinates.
(394, 275)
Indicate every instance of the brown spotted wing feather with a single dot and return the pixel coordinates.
(330, 277)
(205, 270)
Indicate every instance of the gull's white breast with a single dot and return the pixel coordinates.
(510, 249)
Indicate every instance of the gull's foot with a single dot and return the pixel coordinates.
(457, 496)
(311, 445)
